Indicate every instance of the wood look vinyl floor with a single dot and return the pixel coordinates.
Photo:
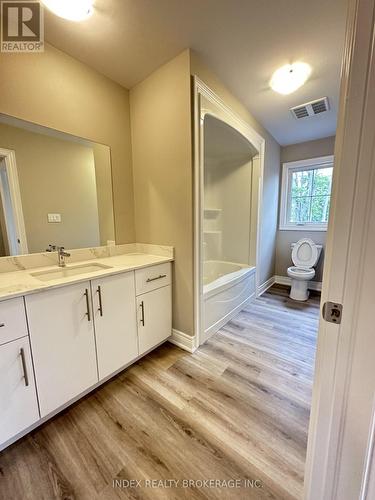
(235, 410)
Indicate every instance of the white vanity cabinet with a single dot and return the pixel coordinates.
(18, 401)
(59, 343)
(115, 322)
(154, 305)
(63, 344)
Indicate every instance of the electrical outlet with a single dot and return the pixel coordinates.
(54, 218)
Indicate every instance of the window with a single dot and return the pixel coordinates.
(306, 194)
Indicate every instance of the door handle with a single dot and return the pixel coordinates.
(24, 367)
(99, 291)
(142, 306)
(2, 325)
(88, 314)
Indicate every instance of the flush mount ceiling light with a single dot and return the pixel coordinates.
(290, 77)
(73, 10)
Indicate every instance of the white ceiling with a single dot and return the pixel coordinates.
(243, 41)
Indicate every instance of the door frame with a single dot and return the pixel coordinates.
(338, 468)
(205, 101)
(9, 157)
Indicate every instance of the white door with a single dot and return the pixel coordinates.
(63, 344)
(154, 315)
(18, 401)
(115, 322)
(13, 225)
(341, 438)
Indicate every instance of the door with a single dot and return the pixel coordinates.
(18, 401)
(154, 315)
(115, 322)
(63, 344)
(11, 213)
(341, 438)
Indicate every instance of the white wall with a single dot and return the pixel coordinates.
(294, 152)
(228, 187)
(227, 193)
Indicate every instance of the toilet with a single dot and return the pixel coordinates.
(305, 256)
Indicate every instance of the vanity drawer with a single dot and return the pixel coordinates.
(12, 320)
(152, 277)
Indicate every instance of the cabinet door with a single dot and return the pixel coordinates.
(18, 401)
(12, 320)
(63, 344)
(154, 313)
(115, 322)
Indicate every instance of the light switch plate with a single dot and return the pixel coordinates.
(54, 218)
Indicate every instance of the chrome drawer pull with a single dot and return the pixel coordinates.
(142, 306)
(157, 278)
(100, 309)
(2, 325)
(88, 314)
(24, 368)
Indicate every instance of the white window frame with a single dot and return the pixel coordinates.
(310, 164)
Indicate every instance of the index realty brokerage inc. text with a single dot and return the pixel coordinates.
(187, 483)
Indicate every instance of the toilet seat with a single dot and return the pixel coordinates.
(300, 273)
(305, 254)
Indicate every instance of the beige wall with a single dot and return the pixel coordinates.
(55, 176)
(57, 91)
(271, 167)
(294, 152)
(162, 159)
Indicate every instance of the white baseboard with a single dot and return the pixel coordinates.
(285, 280)
(265, 286)
(183, 340)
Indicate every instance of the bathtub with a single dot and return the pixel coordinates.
(227, 288)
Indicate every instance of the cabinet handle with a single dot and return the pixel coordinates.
(156, 278)
(2, 325)
(24, 367)
(143, 313)
(88, 314)
(100, 309)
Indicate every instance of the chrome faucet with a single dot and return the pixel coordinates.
(60, 253)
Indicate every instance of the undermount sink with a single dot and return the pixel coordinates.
(66, 272)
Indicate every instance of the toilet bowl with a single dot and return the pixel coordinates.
(305, 256)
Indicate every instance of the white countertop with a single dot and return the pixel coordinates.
(18, 283)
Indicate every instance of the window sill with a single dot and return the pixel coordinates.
(306, 228)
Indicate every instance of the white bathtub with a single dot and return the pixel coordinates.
(227, 288)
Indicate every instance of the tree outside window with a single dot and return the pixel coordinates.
(306, 194)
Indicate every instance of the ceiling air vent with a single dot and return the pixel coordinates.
(311, 108)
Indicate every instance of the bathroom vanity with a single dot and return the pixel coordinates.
(64, 331)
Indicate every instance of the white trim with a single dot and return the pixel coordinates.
(338, 461)
(265, 286)
(183, 340)
(308, 164)
(207, 102)
(9, 157)
(285, 280)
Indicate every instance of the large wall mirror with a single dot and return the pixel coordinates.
(55, 189)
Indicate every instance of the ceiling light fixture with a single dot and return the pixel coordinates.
(73, 10)
(290, 77)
